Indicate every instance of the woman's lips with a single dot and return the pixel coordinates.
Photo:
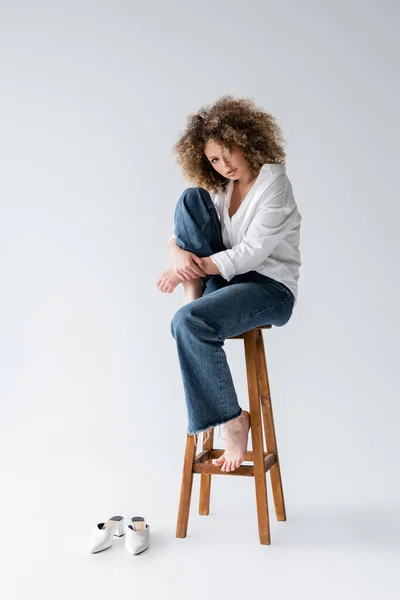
(232, 172)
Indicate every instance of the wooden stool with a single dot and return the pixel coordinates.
(263, 461)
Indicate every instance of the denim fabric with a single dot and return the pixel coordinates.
(224, 310)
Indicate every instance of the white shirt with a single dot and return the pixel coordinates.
(264, 233)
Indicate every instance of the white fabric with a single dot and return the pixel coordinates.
(264, 233)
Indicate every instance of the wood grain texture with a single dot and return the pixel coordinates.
(205, 481)
(256, 436)
(186, 488)
(269, 431)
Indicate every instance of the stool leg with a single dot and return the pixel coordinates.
(205, 480)
(269, 430)
(186, 488)
(256, 436)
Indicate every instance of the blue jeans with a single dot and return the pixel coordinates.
(225, 309)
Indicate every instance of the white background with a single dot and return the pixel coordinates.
(93, 95)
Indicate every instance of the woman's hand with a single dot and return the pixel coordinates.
(186, 265)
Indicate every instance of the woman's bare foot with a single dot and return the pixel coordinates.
(193, 289)
(237, 433)
(168, 281)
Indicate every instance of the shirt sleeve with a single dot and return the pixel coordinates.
(275, 216)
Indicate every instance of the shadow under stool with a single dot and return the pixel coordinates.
(264, 460)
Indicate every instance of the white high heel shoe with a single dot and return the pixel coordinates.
(137, 538)
(103, 534)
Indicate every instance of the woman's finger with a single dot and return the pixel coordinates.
(199, 271)
(193, 274)
(198, 260)
(184, 275)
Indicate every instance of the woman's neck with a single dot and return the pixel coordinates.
(243, 182)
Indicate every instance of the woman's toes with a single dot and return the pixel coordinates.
(219, 461)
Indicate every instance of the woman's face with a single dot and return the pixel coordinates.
(224, 162)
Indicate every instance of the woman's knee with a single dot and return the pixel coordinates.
(187, 315)
(179, 320)
(192, 198)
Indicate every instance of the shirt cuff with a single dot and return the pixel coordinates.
(224, 264)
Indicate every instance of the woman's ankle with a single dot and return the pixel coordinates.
(193, 289)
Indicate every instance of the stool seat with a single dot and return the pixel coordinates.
(241, 335)
(264, 459)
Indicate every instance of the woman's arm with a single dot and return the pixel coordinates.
(209, 267)
(275, 216)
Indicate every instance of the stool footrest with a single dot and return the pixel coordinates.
(201, 466)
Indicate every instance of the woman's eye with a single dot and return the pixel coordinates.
(213, 160)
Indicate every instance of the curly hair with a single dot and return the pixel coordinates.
(229, 122)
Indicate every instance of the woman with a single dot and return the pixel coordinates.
(236, 253)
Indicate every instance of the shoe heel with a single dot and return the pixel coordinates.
(119, 530)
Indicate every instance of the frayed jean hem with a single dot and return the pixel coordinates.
(216, 424)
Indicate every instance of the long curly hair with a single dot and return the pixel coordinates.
(229, 122)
